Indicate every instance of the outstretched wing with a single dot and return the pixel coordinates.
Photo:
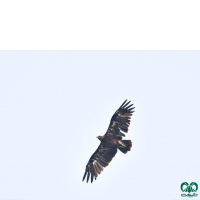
(120, 121)
(100, 159)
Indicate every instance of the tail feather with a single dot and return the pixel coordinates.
(126, 146)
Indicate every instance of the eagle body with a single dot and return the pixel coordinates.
(111, 142)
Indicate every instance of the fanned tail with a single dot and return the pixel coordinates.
(126, 146)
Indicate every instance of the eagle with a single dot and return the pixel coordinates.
(111, 142)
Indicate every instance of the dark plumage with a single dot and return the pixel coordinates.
(110, 142)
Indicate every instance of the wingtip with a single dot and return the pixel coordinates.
(124, 106)
(84, 176)
(123, 103)
(88, 177)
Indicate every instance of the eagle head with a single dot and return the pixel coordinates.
(100, 138)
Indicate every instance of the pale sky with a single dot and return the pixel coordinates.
(54, 104)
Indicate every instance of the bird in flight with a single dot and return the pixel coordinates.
(110, 142)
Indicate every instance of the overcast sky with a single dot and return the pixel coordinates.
(54, 104)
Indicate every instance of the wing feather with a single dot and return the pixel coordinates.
(100, 159)
(123, 103)
(121, 119)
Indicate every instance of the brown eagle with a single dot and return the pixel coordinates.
(110, 142)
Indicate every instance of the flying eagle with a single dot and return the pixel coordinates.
(110, 142)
